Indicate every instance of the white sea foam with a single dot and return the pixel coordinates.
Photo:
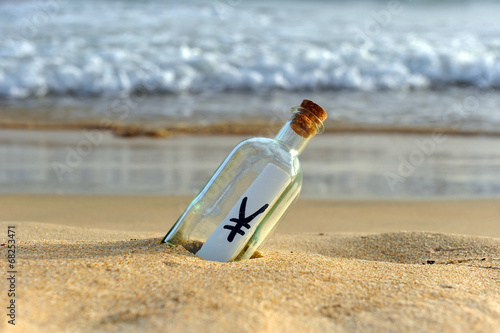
(107, 48)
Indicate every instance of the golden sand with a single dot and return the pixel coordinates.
(158, 213)
(74, 279)
(351, 268)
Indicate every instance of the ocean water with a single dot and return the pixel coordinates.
(396, 66)
(376, 63)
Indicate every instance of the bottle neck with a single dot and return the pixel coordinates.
(299, 130)
(291, 139)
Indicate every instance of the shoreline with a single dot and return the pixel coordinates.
(168, 129)
(247, 112)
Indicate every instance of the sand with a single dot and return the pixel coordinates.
(103, 279)
(158, 213)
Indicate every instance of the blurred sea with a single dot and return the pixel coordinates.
(390, 69)
(396, 64)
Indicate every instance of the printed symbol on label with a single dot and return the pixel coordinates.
(242, 221)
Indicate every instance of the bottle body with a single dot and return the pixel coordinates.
(260, 177)
(246, 198)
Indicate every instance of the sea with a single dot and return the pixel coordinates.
(394, 67)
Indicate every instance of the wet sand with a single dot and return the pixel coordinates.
(343, 166)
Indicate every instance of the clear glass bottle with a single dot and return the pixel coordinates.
(243, 202)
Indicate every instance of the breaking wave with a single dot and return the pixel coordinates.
(173, 47)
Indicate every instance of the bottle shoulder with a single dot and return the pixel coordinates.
(265, 150)
(266, 144)
(256, 141)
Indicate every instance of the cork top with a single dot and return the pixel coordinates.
(317, 110)
(309, 121)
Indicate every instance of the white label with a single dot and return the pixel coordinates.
(236, 229)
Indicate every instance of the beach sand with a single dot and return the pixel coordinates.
(350, 268)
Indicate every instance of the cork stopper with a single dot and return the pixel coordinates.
(309, 118)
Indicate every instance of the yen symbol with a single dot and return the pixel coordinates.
(242, 221)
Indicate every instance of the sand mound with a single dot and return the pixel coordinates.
(83, 280)
(400, 247)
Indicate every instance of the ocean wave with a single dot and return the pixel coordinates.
(413, 64)
(191, 48)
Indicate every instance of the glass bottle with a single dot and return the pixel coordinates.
(243, 202)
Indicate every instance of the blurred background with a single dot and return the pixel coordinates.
(148, 97)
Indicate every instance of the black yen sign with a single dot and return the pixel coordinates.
(242, 221)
